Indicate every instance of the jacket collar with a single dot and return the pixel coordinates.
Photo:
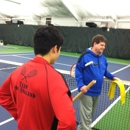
(89, 50)
(41, 60)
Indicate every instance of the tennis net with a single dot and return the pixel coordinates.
(109, 115)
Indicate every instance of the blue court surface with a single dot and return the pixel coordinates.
(63, 63)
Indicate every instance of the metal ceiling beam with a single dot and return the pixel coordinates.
(5, 15)
(6, 19)
(12, 1)
(71, 9)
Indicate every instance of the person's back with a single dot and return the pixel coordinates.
(38, 96)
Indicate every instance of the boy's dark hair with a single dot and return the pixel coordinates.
(45, 38)
(98, 38)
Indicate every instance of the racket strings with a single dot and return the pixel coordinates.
(72, 70)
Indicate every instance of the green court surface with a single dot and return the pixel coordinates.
(118, 118)
(10, 48)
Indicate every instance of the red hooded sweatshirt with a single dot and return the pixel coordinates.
(36, 95)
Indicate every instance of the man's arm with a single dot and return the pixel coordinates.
(6, 99)
(110, 76)
(62, 106)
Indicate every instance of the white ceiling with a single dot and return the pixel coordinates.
(91, 10)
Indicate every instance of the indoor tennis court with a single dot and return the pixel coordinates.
(78, 21)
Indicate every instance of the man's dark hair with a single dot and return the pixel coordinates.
(98, 38)
(45, 38)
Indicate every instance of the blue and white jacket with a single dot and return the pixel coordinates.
(84, 75)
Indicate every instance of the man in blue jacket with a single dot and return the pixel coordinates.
(84, 75)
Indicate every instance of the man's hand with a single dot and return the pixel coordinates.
(115, 78)
(83, 89)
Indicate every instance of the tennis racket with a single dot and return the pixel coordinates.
(72, 69)
(87, 87)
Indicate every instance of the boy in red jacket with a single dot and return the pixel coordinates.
(35, 94)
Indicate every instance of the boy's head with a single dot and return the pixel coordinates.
(45, 39)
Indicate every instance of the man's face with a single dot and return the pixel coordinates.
(99, 48)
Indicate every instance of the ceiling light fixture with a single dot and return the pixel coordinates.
(99, 20)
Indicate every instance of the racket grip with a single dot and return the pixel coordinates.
(87, 87)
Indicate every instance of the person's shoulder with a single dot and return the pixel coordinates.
(52, 71)
(21, 66)
(103, 56)
(104, 59)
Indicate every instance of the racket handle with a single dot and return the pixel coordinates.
(87, 87)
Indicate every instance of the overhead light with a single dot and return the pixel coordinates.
(123, 20)
(18, 19)
(99, 20)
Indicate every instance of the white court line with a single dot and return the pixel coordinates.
(121, 69)
(31, 58)
(22, 57)
(74, 90)
(17, 63)
(19, 55)
(8, 68)
(6, 121)
(62, 64)
(11, 62)
(29, 53)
